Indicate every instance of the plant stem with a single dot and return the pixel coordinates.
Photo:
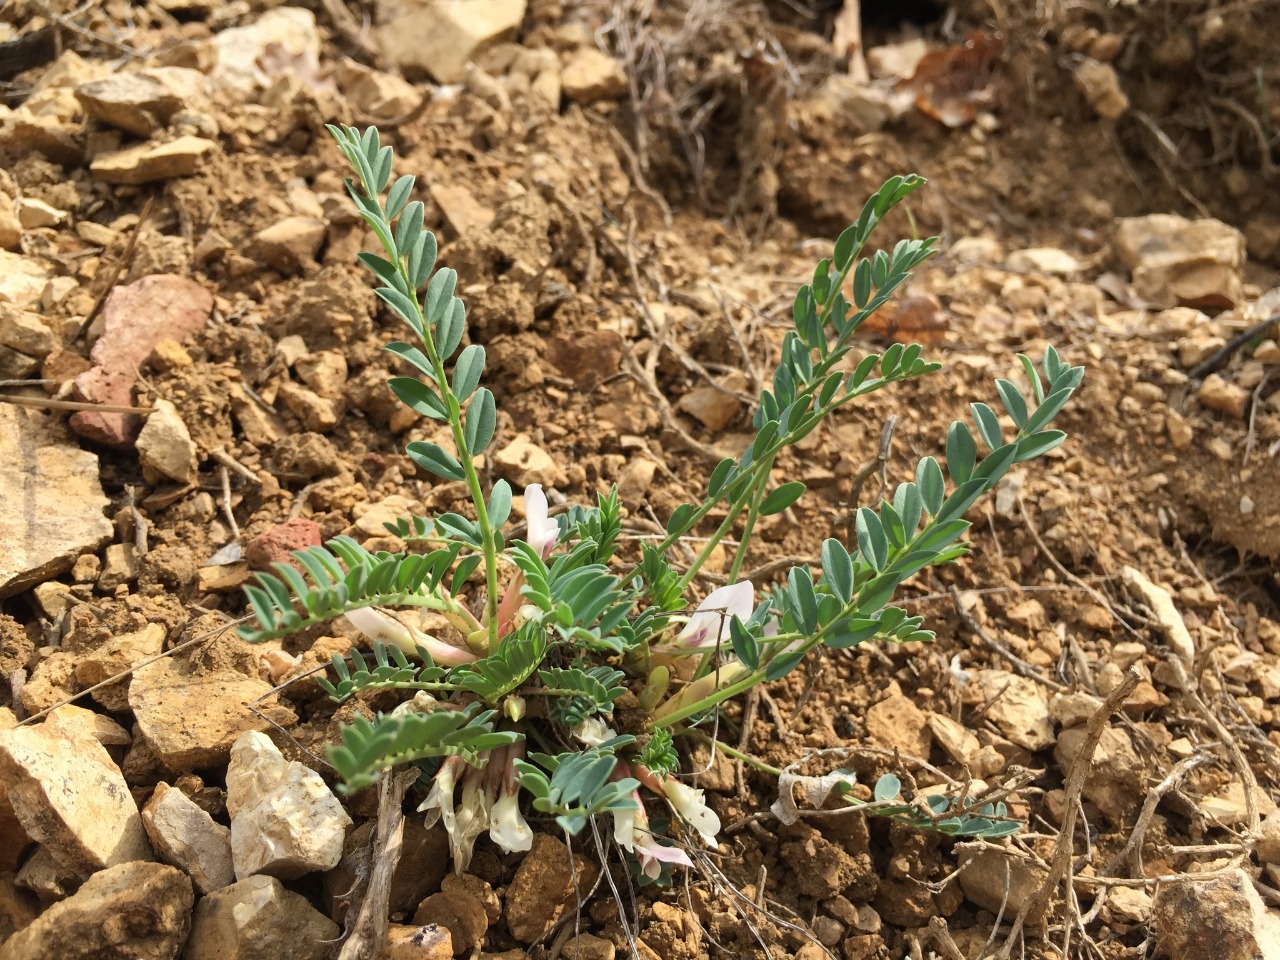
(731, 752)
(753, 513)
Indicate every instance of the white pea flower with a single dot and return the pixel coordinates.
(507, 825)
(593, 731)
(377, 625)
(688, 804)
(709, 624)
(631, 831)
(542, 530)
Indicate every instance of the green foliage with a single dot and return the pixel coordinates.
(289, 600)
(391, 671)
(578, 787)
(578, 629)
(372, 746)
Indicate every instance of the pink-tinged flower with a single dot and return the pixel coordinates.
(631, 831)
(709, 624)
(377, 625)
(472, 819)
(507, 825)
(688, 804)
(542, 530)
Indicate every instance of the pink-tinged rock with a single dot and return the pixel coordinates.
(278, 542)
(135, 318)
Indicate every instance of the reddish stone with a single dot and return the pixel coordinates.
(279, 541)
(135, 318)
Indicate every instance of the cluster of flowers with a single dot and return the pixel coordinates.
(469, 798)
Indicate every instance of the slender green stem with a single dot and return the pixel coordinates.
(487, 537)
(729, 751)
(753, 513)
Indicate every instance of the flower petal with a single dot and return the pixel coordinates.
(709, 624)
(542, 531)
(689, 805)
(507, 826)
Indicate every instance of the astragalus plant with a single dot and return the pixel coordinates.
(571, 680)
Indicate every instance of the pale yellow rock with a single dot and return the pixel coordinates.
(989, 873)
(22, 280)
(1019, 708)
(238, 51)
(1042, 260)
(165, 447)
(52, 507)
(161, 695)
(291, 244)
(438, 37)
(285, 821)
(132, 910)
(186, 837)
(70, 796)
(34, 214)
(258, 918)
(896, 722)
(25, 332)
(523, 463)
(377, 95)
(957, 740)
(150, 162)
(318, 414)
(115, 657)
(1174, 260)
(591, 75)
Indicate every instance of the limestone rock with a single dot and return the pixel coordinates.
(119, 567)
(523, 463)
(10, 229)
(1222, 395)
(238, 51)
(429, 942)
(543, 888)
(290, 245)
(461, 916)
(132, 911)
(325, 372)
(79, 722)
(1043, 260)
(438, 37)
(983, 880)
(51, 508)
(318, 414)
(70, 796)
(1222, 919)
(592, 75)
(165, 447)
(713, 407)
(190, 718)
(188, 838)
(151, 162)
(1020, 708)
(897, 722)
(1115, 780)
(135, 317)
(258, 919)
(22, 280)
(1174, 260)
(34, 214)
(955, 738)
(377, 95)
(285, 821)
(1230, 808)
(114, 657)
(1073, 709)
(464, 213)
(134, 102)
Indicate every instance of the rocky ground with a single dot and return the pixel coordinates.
(192, 383)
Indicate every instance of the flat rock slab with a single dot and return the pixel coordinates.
(69, 795)
(132, 911)
(188, 838)
(151, 162)
(135, 318)
(190, 719)
(51, 508)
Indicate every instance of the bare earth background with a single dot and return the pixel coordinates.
(631, 194)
